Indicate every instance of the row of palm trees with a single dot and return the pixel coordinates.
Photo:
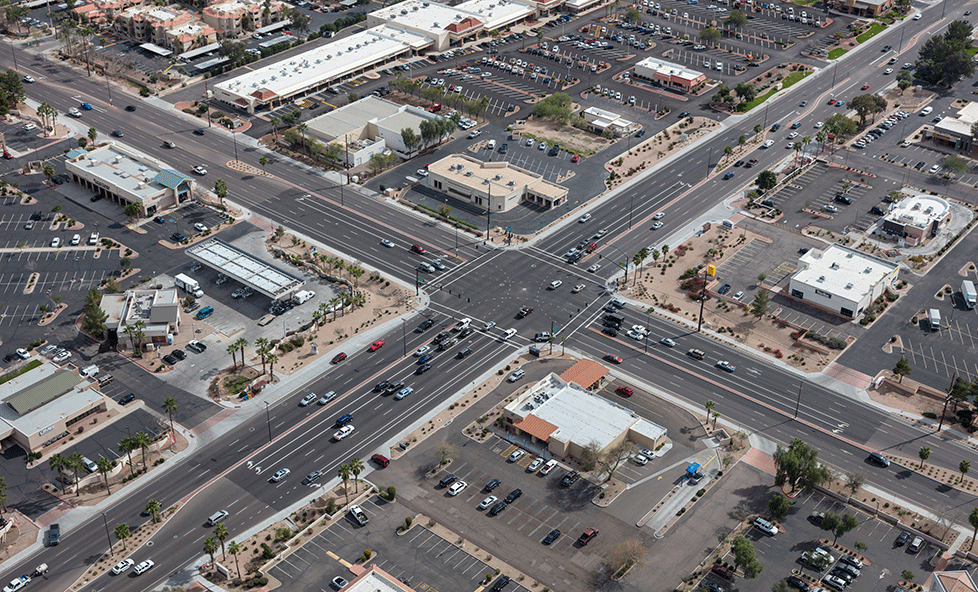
(75, 462)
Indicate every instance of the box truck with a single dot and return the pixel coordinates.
(969, 294)
(189, 285)
(934, 318)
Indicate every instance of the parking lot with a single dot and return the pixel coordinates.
(817, 189)
(420, 558)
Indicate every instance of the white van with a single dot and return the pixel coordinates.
(491, 145)
(304, 296)
(926, 111)
(89, 371)
(719, 66)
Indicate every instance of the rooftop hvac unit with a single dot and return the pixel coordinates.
(469, 174)
(414, 8)
(485, 181)
(404, 11)
(868, 270)
(451, 168)
(848, 286)
(821, 278)
(511, 183)
(498, 177)
(460, 166)
(426, 4)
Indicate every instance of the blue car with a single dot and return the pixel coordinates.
(728, 176)
(86, 106)
(204, 313)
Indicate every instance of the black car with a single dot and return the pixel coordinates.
(501, 582)
(504, 149)
(493, 484)
(448, 480)
(554, 151)
(382, 385)
(570, 479)
(844, 199)
(684, 114)
(775, 127)
(466, 332)
(878, 459)
(170, 360)
(902, 539)
(394, 387)
(54, 534)
(130, 108)
(464, 353)
(739, 163)
(551, 536)
(177, 237)
(796, 582)
(422, 369)
(95, 198)
(640, 133)
(499, 507)
(178, 354)
(159, 220)
(117, 133)
(610, 332)
(10, 358)
(513, 496)
(127, 399)
(198, 132)
(428, 324)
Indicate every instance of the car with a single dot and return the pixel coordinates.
(204, 313)
(765, 526)
(422, 369)
(61, 357)
(177, 237)
(170, 360)
(584, 218)
(200, 227)
(569, 479)
(490, 324)
(343, 432)
(575, 158)
(848, 568)
(424, 359)
(178, 354)
(624, 391)
(513, 496)
(381, 460)
(403, 393)
(739, 163)
(728, 176)
(308, 399)
(376, 345)
(143, 567)
(888, 71)
(711, 586)
(916, 544)
(864, 87)
(723, 571)
(551, 537)
(159, 220)
(117, 133)
(130, 108)
(902, 539)
(387, 243)
(796, 125)
(725, 365)
(489, 501)
(798, 583)
(327, 398)
(613, 358)
(917, 16)
(835, 582)
(817, 517)
(934, 169)
(199, 132)
(577, 288)
(516, 455)
(200, 170)
(535, 464)
(93, 238)
(853, 561)
(421, 173)
(55, 242)
(29, 225)
(424, 349)
(338, 358)
(312, 477)
(86, 106)
(554, 285)
(418, 249)
(499, 507)
(878, 459)
(844, 199)
(594, 267)
(169, 144)
(457, 488)
(22, 353)
(122, 566)
(338, 583)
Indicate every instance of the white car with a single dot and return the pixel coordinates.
(488, 325)
(457, 488)
(343, 432)
(74, 112)
(667, 342)
(62, 356)
(578, 288)
(29, 79)
(200, 170)
(144, 567)
(282, 474)
(639, 329)
(555, 284)
(656, 225)
(636, 335)
(585, 218)
(123, 566)
(17, 584)
(659, 216)
(934, 168)
(890, 70)
(387, 243)
(421, 173)
(792, 135)
(640, 459)
(23, 354)
(830, 208)
(917, 16)
(200, 227)
(517, 454)
(55, 242)
(725, 365)
(819, 124)
(738, 296)
(422, 350)
(507, 334)
(308, 399)
(535, 465)
(488, 502)
(516, 375)
(594, 268)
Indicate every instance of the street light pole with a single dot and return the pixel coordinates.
(234, 139)
(268, 421)
(106, 523)
(798, 401)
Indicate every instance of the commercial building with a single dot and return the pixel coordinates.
(41, 406)
(861, 8)
(229, 18)
(124, 176)
(451, 26)
(955, 132)
(374, 579)
(497, 186)
(566, 418)
(164, 27)
(667, 74)
(841, 280)
(367, 127)
(915, 219)
(951, 581)
(600, 120)
(156, 313)
(284, 81)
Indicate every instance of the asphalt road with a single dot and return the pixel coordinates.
(757, 395)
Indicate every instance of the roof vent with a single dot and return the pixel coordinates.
(469, 174)
(848, 286)
(821, 278)
(426, 4)
(834, 266)
(868, 270)
(929, 210)
(916, 206)
(460, 166)
(485, 181)
(404, 11)
(498, 177)
(511, 183)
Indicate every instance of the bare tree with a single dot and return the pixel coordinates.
(445, 452)
(612, 459)
(623, 556)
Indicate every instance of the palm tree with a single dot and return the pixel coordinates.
(334, 302)
(261, 346)
(233, 350)
(75, 462)
(234, 548)
(356, 467)
(143, 441)
(345, 476)
(153, 508)
(210, 547)
(716, 414)
(241, 344)
(126, 446)
(563, 344)
(104, 466)
(964, 467)
(709, 407)
(57, 463)
(122, 533)
(170, 406)
(272, 358)
(221, 532)
(274, 121)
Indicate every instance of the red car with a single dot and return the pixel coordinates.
(339, 358)
(865, 86)
(590, 248)
(418, 249)
(624, 391)
(575, 158)
(613, 358)
(831, 101)
(722, 571)
(376, 345)
(524, 311)
(381, 460)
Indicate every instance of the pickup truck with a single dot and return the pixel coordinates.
(359, 515)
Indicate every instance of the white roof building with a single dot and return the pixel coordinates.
(158, 310)
(841, 280)
(600, 120)
(915, 219)
(451, 25)
(567, 418)
(318, 68)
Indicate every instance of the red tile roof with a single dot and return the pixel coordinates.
(584, 373)
(536, 427)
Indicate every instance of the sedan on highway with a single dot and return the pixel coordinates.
(343, 432)
(122, 566)
(200, 170)
(387, 243)
(594, 268)
(656, 225)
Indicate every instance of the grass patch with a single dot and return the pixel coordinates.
(874, 30)
(15, 373)
(972, 51)
(236, 384)
(837, 53)
(788, 82)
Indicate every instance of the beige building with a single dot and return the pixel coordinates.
(600, 120)
(158, 311)
(166, 27)
(841, 280)
(916, 219)
(497, 186)
(862, 8)
(565, 417)
(229, 18)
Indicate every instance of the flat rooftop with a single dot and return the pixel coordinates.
(427, 16)
(665, 68)
(327, 62)
(352, 117)
(842, 271)
(28, 397)
(457, 166)
(496, 13)
(136, 175)
(919, 211)
(245, 268)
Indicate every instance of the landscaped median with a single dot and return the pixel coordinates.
(785, 83)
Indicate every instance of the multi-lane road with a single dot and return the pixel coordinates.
(485, 284)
